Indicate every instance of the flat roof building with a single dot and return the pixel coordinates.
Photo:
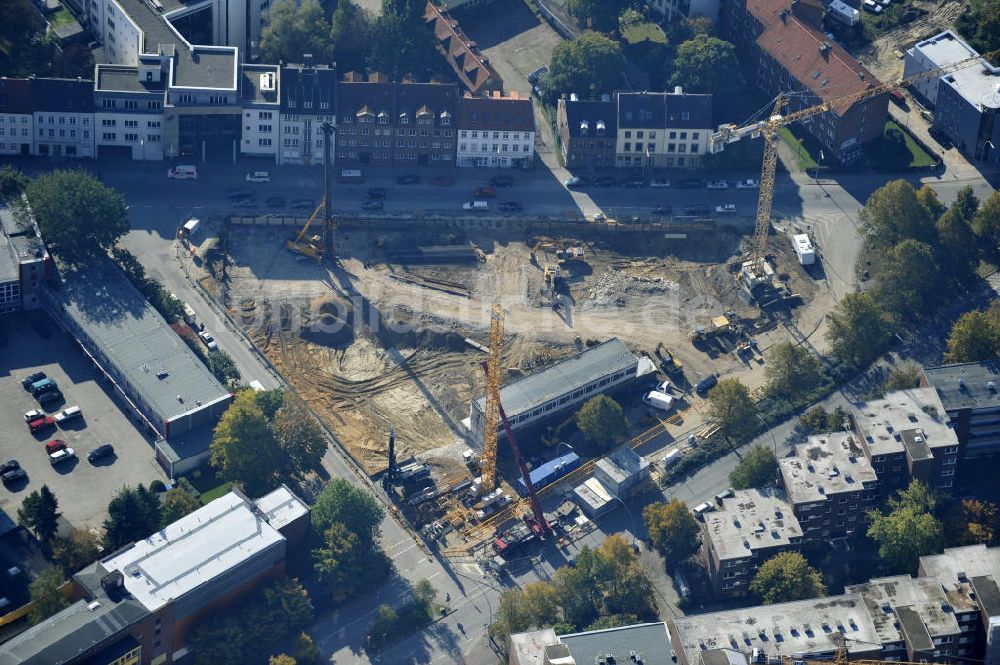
(622, 471)
(24, 263)
(970, 394)
(646, 643)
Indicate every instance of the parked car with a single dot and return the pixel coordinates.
(54, 445)
(373, 205)
(209, 341)
(690, 183)
(634, 184)
(898, 97)
(477, 206)
(707, 383)
(659, 183)
(41, 424)
(871, 6)
(702, 508)
(663, 386)
(34, 414)
(536, 75)
(68, 414)
(101, 451)
(940, 137)
(486, 192)
(663, 210)
(376, 193)
(28, 381)
(276, 202)
(50, 397)
(510, 206)
(13, 476)
(576, 182)
(442, 180)
(259, 177)
(749, 183)
(605, 181)
(718, 184)
(697, 209)
(239, 193)
(9, 465)
(303, 204)
(600, 217)
(408, 179)
(62, 456)
(245, 203)
(726, 209)
(502, 181)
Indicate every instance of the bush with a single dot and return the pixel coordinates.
(157, 486)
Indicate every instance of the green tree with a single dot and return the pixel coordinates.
(973, 337)
(133, 514)
(355, 508)
(612, 621)
(599, 15)
(176, 504)
(966, 203)
(602, 422)
(904, 376)
(77, 213)
(269, 401)
(244, 448)
(893, 214)
(340, 561)
(928, 198)
(350, 32)
(858, 331)
(511, 615)
(25, 49)
(399, 43)
(424, 593)
(972, 522)
(909, 530)
(12, 182)
(306, 651)
(672, 529)
(40, 513)
(76, 551)
(958, 248)
(299, 435)
(792, 371)
(223, 367)
(730, 405)
(908, 282)
(986, 225)
(757, 469)
(588, 66)
(281, 659)
(292, 29)
(46, 599)
(818, 420)
(786, 577)
(708, 65)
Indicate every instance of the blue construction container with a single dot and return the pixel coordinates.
(549, 472)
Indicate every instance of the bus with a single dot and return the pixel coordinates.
(350, 176)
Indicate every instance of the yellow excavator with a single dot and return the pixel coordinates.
(311, 246)
(317, 246)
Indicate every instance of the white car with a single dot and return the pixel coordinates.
(600, 217)
(663, 387)
(208, 339)
(727, 209)
(749, 183)
(259, 177)
(62, 455)
(33, 415)
(659, 182)
(718, 184)
(69, 413)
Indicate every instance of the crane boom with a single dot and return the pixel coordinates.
(491, 410)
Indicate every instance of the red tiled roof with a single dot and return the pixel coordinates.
(808, 55)
(471, 66)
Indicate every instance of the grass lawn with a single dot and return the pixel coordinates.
(60, 18)
(215, 493)
(643, 31)
(889, 155)
(209, 485)
(798, 144)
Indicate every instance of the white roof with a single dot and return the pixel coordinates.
(281, 507)
(193, 550)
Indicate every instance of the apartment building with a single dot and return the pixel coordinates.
(661, 129)
(308, 99)
(17, 120)
(383, 123)
(970, 394)
(789, 52)
(751, 527)
(906, 436)
(24, 264)
(472, 67)
(495, 131)
(588, 133)
(678, 10)
(831, 486)
(646, 643)
(260, 128)
(128, 114)
(63, 111)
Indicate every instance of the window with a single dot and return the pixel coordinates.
(218, 99)
(153, 124)
(131, 123)
(307, 105)
(264, 143)
(108, 103)
(153, 138)
(324, 105)
(109, 136)
(628, 146)
(131, 105)
(108, 122)
(628, 134)
(685, 115)
(264, 129)
(154, 106)
(652, 135)
(639, 135)
(132, 137)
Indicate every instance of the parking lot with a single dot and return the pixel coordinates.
(34, 343)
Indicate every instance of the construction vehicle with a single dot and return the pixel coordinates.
(318, 246)
(718, 326)
(669, 363)
(550, 277)
(311, 246)
(571, 254)
(755, 274)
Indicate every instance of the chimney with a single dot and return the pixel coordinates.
(678, 90)
(307, 59)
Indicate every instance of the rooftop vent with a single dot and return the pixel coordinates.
(991, 386)
(824, 48)
(162, 374)
(267, 83)
(962, 577)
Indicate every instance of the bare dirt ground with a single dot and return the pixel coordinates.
(373, 353)
(881, 55)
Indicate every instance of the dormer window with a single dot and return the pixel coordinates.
(383, 118)
(307, 105)
(601, 127)
(404, 118)
(348, 119)
(584, 127)
(291, 103)
(445, 119)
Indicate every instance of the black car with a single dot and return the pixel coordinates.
(502, 181)
(276, 202)
(50, 397)
(699, 209)
(9, 466)
(373, 205)
(408, 179)
(34, 378)
(303, 204)
(706, 384)
(689, 183)
(376, 193)
(510, 206)
(240, 193)
(939, 136)
(606, 181)
(245, 203)
(100, 451)
(13, 476)
(634, 184)
(663, 210)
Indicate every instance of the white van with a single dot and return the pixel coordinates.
(191, 226)
(67, 414)
(658, 400)
(671, 458)
(189, 317)
(259, 177)
(702, 508)
(478, 206)
(183, 172)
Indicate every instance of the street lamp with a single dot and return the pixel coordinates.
(628, 511)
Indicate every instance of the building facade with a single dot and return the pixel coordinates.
(308, 99)
(588, 133)
(261, 125)
(128, 113)
(678, 10)
(495, 131)
(17, 120)
(662, 130)
(970, 395)
(63, 111)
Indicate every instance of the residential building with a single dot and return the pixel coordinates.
(63, 112)
(562, 387)
(646, 643)
(140, 604)
(916, 620)
(588, 132)
(965, 101)
(660, 129)
(906, 436)
(202, 114)
(970, 397)
(260, 131)
(128, 115)
(789, 52)
(831, 486)
(24, 264)
(678, 10)
(17, 120)
(751, 527)
(167, 386)
(383, 123)
(472, 68)
(308, 99)
(495, 131)
(798, 630)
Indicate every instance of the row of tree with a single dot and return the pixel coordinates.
(975, 336)
(28, 48)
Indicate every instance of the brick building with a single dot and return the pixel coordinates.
(588, 132)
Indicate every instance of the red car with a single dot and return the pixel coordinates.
(41, 424)
(54, 445)
(486, 192)
(442, 180)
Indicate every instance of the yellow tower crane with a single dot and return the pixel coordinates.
(491, 411)
(755, 271)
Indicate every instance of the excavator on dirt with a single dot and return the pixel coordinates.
(311, 246)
